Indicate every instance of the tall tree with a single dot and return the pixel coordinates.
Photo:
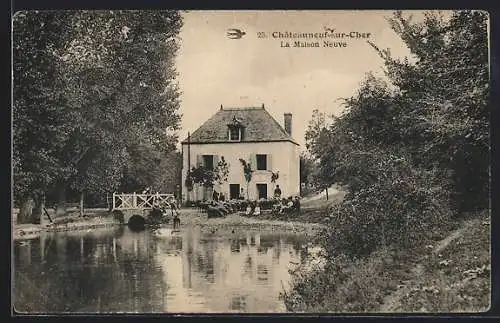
(318, 143)
(111, 81)
(169, 177)
(247, 172)
(41, 120)
(445, 97)
(414, 150)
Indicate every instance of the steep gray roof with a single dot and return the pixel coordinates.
(259, 126)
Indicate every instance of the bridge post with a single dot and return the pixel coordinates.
(114, 204)
(134, 201)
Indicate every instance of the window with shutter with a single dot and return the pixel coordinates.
(251, 160)
(199, 160)
(269, 163)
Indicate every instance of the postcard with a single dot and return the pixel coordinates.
(267, 161)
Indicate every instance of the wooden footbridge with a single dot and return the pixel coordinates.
(133, 204)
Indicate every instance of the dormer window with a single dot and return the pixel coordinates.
(235, 130)
(235, 134)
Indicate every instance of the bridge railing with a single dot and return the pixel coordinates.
(141, 201)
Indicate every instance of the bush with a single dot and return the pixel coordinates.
(343, 285)
(402, 207)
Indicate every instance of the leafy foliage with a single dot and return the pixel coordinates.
(413, 151)
(201, 175)
(445, 98)
(275, 176)
(317, 138)
(91, 89)
(248, 172)
(208, 177)
(221, 171)
(400, 208)
(168, 176)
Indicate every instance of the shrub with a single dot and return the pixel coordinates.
(343, 285)
(400, 209)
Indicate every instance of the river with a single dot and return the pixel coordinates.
(116, 270)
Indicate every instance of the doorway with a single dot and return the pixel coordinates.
(262, 191)
(234, 191)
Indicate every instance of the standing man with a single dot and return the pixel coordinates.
(297, 205)
(174, 208)
(277, 192)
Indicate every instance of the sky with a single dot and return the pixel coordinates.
(215, 70)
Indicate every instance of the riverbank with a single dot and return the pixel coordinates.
(188, 216)
(310, 220)
(449, 273)
(258, 223)
(67, 223)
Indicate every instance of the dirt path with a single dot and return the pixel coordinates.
(454, 235)
(392, 302)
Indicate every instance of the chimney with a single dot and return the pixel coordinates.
(288, 123)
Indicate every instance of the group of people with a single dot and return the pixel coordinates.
(216, 196)
(218, 208)
(289, 205)
(253, 208)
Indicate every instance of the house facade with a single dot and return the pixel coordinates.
(253, 135)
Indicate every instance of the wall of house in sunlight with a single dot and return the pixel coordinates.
(280, 156)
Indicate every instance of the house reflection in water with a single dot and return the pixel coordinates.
(242, 273)
(117, 270)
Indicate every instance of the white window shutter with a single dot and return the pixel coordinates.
(250, 160)
(270, 162)
(199, 160)
(216, 160)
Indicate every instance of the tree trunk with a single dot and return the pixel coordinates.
(82, 197)
(384, 243)
(37, 214)
(327, 193)
(61, 200)
(110, 206)
(26, 211)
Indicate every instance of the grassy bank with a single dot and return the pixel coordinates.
(448, 272)
(91, 220)
(192, 217)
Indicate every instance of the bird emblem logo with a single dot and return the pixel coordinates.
(234, 33)
(329, 30)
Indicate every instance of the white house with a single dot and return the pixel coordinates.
(251, 134)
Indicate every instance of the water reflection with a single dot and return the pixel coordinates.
(117, 270)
